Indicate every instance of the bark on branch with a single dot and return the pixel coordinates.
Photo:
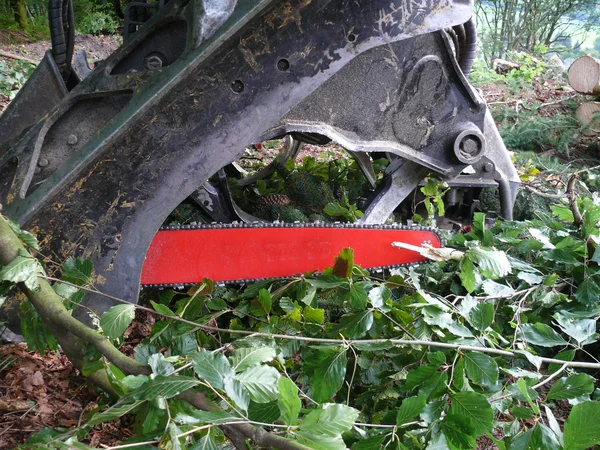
(73, 336)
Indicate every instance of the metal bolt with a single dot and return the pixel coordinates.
(43, 162)
(237, 86)
(283, 65)
(153, 62)
(72, 139)
(488, 167)
(470, 146)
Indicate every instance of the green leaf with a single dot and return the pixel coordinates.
(332, 420)
(236, 391)
(212, 368)
(522, 412)
(410, 408)
(263, 412)
(482, 316)
(163, 309)
(327, 369)
(78, 271)
(459, 431)
(581, 428)
(493, 289)
(539, 437)
(124, 406)
(23, 269)
(418, 376)
(245, 357)
(344, 263)
(492, 263)
(314, 315)
(261, 382)
(572, 387)
(475, 408)
(578, 329)
(542, 335)
(525, 391)
(91, 367)
(481, 369)
(199, 417)
(115, 321)
(289, 403)
(25, 236)
(358, 297)
(264, 297)
(355, 325)
(564, 214)
(205, 443)
(467, 274)
(163, 386)
(588, 291)
(318, 442)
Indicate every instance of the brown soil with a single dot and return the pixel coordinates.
(96, 47)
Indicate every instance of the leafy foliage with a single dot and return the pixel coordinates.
(488, 330)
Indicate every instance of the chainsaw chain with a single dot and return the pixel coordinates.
(278, 224)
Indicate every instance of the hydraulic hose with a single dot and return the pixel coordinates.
(62, 34)
(467, 54)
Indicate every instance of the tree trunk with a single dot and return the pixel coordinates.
(20, 11)
(589, 116)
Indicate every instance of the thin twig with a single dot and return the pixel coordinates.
(578, 218)
(543, 194)
(18, 57)
(340, 342)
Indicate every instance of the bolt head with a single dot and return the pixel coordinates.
(470, 146)
(153, 62)
(488, 167)
(43, 162)
(72, 139)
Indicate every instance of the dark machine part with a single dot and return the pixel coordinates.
(100, 171)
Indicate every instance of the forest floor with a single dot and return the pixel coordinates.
(41, 391)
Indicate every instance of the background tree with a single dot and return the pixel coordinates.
(521, 25)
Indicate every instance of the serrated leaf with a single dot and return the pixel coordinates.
(289, 403)
(117, 319)
(410, 408)
(344, 263)
(264, 297)
(581, 428)
(264, 412)
(578, 329)
(205, 443)
(481, 369)
(588, 291)
(22, 269)
(564, 214)
(482, 316)
(492, 263)
(77, 271)
(236, 391)
(124, 406)
(530, 278)
(571, 387)
(332, 420)
(459, 431)
(355, 325)
(317, 442)
(358, 297)
(327, 368)
(539, 437)
(25, 236)
(467, 274)
(91, 367)
(493, 289)
(314, 315)
(420, 375)
(261, 382)
(163, 386)
(212, 368)
(475, 408)
(245, 357)
(163, 309)
(542, 335)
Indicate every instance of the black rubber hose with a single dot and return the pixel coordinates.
(62, 34)
(468, 53)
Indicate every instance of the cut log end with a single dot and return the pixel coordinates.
(584, 75)
(589, 116)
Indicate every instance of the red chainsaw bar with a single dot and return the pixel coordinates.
(246, 252)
